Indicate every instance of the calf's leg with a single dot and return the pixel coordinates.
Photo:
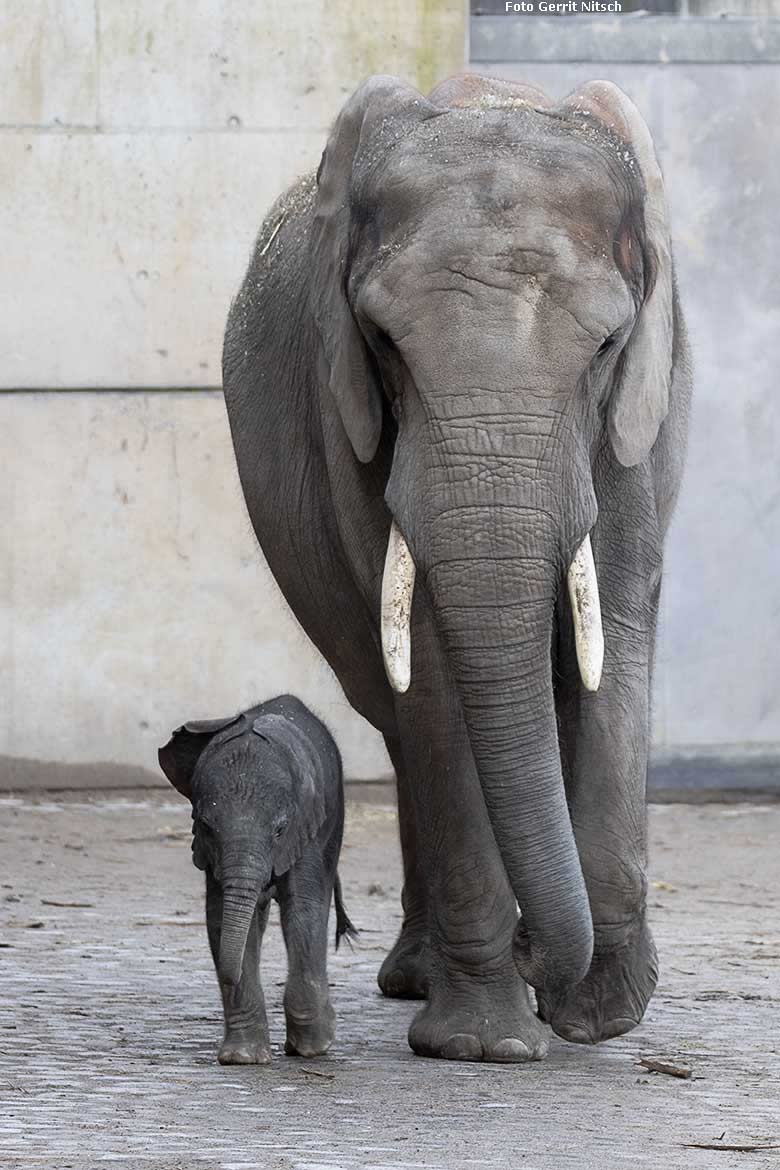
(246, 1025)
(304, 901)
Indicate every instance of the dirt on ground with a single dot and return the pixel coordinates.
(110, 1017)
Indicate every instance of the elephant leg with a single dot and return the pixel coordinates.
(477, 1006)
(404, 973)
(304, 902)
(246, 1025)
(605, 739)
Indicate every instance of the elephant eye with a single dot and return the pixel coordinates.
(279, 828)
(606, 345)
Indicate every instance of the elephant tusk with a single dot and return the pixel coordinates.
(397, 591)
(586, 610)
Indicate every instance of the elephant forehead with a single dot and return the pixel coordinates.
(459, 167)
(246, 768)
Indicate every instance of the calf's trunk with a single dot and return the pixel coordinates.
(241, 886)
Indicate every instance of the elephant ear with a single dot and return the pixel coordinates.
(640, 399)
(307, 772)
(374, 119)
(179, 757)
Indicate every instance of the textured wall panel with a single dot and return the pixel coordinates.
(132, 592)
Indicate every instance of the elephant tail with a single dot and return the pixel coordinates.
(343, 924)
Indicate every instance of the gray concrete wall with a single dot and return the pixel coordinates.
(132, 593)
(718, 138)
(140, 145)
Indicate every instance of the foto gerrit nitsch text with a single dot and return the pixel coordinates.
(563, 7)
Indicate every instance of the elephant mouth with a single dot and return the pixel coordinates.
(396, 612)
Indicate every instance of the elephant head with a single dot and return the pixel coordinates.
(492, 286)
(256, 802)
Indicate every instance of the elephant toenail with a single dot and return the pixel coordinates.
(617, 1027)
(462, 1047)
(244, 1056)
(575, 1033)
(510, 1051)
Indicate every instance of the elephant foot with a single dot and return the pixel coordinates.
(310, 1033)
(488, 1024)
(612, 997)
(243, 1048)
(404, 973)
(309, 1039)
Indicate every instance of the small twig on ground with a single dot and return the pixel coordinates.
(669, 1070)
(734, 1149)
(315, 1072)
(68, 905)
(168, 922)
(19, 1088)
(166, 836)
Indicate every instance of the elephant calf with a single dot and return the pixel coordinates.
(268, 817)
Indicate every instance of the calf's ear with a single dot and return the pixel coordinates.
(179, 757)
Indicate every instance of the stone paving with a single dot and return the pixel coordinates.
(109, 1016)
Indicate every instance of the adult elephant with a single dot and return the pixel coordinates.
(456, 376)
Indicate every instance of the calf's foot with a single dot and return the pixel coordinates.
(310, 1037)
(244, 1047)
(612, 997)
(311, 1022)
(404, 973)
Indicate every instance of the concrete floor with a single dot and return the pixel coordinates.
(109, 1019)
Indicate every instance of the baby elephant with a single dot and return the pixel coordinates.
(268, 817)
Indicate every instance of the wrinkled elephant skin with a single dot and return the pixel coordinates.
(457, 381)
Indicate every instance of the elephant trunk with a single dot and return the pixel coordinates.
(493, 551)
(499, 648)
(242, 882)
(238, 908)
